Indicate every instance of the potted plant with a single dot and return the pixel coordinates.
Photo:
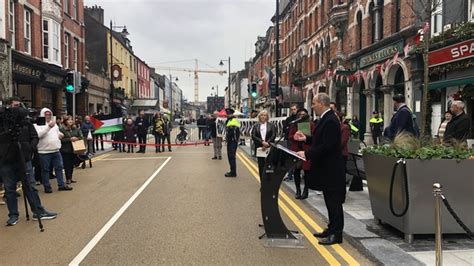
(400, 176)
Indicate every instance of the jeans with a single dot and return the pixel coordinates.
(10, 179)
(168, 139)
(217, 143)
(49, 160)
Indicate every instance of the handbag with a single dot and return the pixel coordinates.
(79, 147)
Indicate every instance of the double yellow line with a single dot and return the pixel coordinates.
(286, 201)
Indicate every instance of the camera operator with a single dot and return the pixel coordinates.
(28, 138)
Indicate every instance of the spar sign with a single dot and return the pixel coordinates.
(452, 53)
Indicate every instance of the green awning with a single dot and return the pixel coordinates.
(450, 83)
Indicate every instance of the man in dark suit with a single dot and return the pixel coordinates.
(142, 130)
(459, 128)
(327, 166)
(402, 120)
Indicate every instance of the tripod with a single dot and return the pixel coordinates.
(26, 187)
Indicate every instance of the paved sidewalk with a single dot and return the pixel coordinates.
(386, 243)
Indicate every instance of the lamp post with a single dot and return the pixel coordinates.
(277, 56)
(125, 32)
(228, 83)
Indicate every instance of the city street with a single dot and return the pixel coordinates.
(168, 208)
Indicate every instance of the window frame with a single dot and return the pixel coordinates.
(74, 9)
(437, 18)
(67, 58)
(66, 6)
(46, 40)
(11, 22)
(56, 41)
(75, 53)
(27, 30)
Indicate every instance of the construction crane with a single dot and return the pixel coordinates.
(196, 70)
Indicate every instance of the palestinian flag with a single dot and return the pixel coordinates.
(106, 124)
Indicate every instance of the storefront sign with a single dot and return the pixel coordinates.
(26, 70)
(381, 54)
(452, 53)
(54, 79)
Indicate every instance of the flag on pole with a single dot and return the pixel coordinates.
(106, 124)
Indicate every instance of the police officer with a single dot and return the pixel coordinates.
(376, 127)
(232, 138)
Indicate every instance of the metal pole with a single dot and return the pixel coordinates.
(277, 53)
(438, 235)
(74, 96)
(112, 107)
(171, 98)
(230, 105)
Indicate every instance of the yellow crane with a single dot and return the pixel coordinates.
(196, 70)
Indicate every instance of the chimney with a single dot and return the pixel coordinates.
(96, 12)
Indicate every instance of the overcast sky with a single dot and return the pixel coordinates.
(165, 32)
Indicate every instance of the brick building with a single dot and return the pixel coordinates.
(352, 50)
(5, 53)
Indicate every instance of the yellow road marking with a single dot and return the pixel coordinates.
(338, 248)
(321, 249)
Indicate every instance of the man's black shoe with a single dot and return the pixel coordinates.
(214, 158)
(48, 190)
(323, 234)
(229, 174)
(65, 188)
(139, 151)
(220, 157)
(331, 240)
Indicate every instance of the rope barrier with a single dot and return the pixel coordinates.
(456, 217)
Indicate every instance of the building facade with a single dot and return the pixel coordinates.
(5, 53)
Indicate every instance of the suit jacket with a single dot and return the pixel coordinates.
(459, 128)
(257, 136)
(327, 172)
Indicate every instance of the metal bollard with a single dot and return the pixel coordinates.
(438, 235)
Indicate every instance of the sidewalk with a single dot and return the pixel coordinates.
(386, 243)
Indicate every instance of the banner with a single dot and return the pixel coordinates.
(247, 124)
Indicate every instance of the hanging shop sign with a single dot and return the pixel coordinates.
(452, 53)
(381, 54)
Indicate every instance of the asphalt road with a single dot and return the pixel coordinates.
(166, 208)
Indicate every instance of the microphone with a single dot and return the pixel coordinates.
(297, 120)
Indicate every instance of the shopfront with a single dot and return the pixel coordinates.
(452, 78)
(38, 84)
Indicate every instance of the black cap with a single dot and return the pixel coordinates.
(399, 98)
(229, 111)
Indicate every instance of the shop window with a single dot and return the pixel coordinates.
(11, 22)
(51, 42)
(27, 31)
(24, 91)
(437, 18)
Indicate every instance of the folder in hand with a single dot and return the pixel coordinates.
(305, 127)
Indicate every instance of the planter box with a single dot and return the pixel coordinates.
(457, 179)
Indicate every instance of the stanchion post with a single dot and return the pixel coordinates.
(437, 192)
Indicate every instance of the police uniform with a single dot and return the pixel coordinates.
(232, 138)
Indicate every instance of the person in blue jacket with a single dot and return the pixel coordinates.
(402, 120)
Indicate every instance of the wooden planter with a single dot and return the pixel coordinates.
(457, 179)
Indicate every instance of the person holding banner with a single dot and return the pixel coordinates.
(71, 135)
(87, 129)
(263, 134)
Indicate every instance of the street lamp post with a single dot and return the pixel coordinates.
(228, 83)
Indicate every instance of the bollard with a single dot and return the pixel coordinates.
(438, 236)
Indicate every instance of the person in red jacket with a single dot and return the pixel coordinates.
(300, 146)
(345, 135)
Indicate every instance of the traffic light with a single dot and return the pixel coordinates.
(254, 91)
(70, 82)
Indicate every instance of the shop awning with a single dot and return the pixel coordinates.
(145, 103)
(450, 83)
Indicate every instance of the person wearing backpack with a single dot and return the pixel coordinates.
(402, 120)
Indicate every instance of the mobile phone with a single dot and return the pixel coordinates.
(41, 121)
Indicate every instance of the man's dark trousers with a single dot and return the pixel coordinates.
(334, 200)
(142, 140)
(231, 151)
